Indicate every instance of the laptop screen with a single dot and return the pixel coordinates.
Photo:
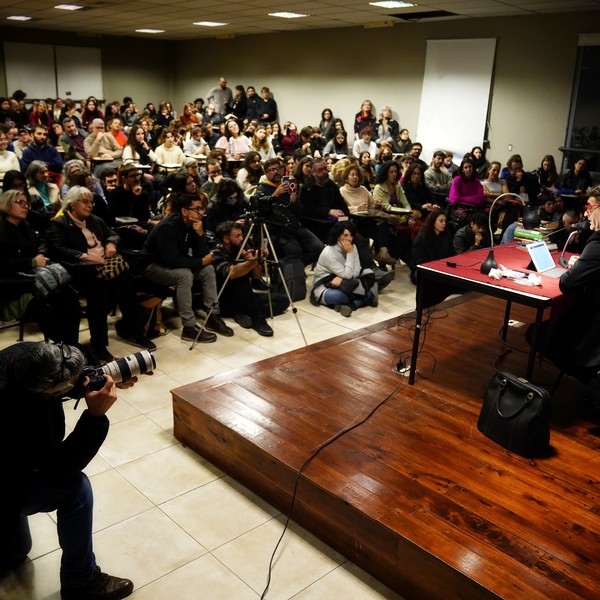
(540, 255)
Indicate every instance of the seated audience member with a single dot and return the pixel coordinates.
(228, 204)
(214, 174)
(54, 134)
(419, 196)
(276, 137)
(180, 183)
(250, 173)
(560, 235)
(177, 255)
(337, 146)
(266, 107)
(365, 161)
(109, 180)
(290, 137)
(449, 165)
(466, 188)
(578, 178)
(479, 161)
(40, 116)
(547, 211)
(168, 152)
(493, 186)
(71, 168)
(91, 112)
(22, 142)
(520, 182)
(58, 314)
(415, 151)
(236, 268)
(387, 189)
(47, 471)
(326, 126)
(473, 235)
(336, 173)
(433, 240)
(72, 141)
(8, 159)
(303, 171)
(189, 118)
(147, 124)
(308, 143)
(137, 149)
(405, 162)
(403, 142)
(196, 145)
(337, 279)
(41, 150)
(234, 144)
(210, 136)
(437, 179)
(100, 207)
(359, 199)
(43, 195)
(70, 110)
(261, 143)
(165, 114)
(365, 143)
(7, 113)
(130, 199)
(82, 241)
(289, 236)
(383, 155)
(102, 146)
(364, 119)
(547, 175)
(387, 129)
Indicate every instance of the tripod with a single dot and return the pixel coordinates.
(258, 227)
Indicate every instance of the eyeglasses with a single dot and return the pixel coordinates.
(273, 169)
(22, 202)
(87, 202)
(590, 207)
(197, 209)
(65, 355)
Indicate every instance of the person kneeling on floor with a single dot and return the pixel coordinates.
(249, 309)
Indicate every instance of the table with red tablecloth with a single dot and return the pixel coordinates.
(440, 278)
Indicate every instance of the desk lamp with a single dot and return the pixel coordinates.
(530, 220)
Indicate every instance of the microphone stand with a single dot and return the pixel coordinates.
(490, 262)
(562, 261)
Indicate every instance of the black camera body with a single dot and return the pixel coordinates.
(120, 369)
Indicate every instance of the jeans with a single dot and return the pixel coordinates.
(73, 501)
(183, 280)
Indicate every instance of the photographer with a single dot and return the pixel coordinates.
(43, 471)
(276, 200)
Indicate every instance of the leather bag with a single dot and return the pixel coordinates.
(516, 415)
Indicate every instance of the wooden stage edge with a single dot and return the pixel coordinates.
(416, 495)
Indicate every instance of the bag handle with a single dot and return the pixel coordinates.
(526, 400)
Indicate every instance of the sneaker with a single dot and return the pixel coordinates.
(343, 309)
(243, 320)
(191, 333)
(99, 586)
(142, 341)
(215, 324)
(262, 328)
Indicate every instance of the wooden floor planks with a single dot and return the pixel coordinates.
(416, 495)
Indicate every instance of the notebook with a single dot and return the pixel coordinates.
(542, 260)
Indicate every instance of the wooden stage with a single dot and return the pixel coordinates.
(416, 495)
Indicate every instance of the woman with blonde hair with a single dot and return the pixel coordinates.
(260, 143)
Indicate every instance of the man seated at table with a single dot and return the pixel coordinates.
(473, 235)
(238, 299)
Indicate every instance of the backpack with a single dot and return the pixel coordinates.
(295, 278)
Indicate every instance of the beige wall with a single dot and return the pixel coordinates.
(535, 61)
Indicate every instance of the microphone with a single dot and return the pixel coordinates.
(581, 226)
(562, 261)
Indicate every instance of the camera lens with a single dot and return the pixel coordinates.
(123, 369)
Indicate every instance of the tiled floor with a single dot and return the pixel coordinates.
(172, 522)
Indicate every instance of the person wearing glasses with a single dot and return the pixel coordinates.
(81, 241)
(176, 254)
(130, 199)
(43, 471)
(573, 342)
(58, 314)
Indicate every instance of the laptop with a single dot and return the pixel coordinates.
(542, 260)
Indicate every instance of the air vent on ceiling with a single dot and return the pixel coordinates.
(426, 14)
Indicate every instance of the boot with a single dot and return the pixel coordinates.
(383, 256)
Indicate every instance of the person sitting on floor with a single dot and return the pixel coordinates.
(473, 235)
(238, 299)
(339, 280)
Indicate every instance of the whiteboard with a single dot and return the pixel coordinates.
(455, 95)
(78, 72)
(30, 67)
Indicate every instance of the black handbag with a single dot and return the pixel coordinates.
(516, 415)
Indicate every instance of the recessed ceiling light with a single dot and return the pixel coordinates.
(68, 7)
(288, 15)
(150, 30)
(210, 24)
(392, 4)
(19, 18)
